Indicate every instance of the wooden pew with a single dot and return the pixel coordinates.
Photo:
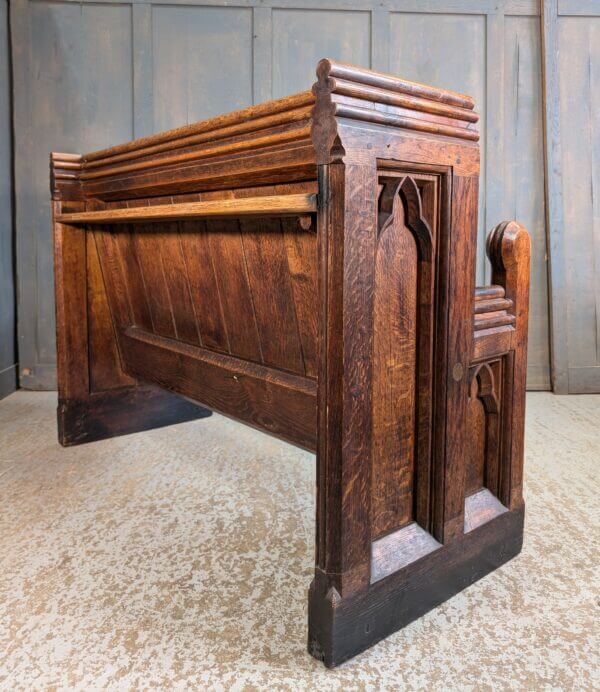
(307, 266)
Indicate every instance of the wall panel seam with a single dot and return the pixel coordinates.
(559, 345)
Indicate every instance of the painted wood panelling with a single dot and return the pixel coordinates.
(96, 72)
(199, 51)
(522, 176)
(414, 55)
(302, 37)
(579, 103)
(73, 92)
(571, 109)
(8, 355)
(520, 150)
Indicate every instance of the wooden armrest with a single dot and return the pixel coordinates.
(276, 205)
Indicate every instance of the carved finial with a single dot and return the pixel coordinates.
(507, 244)
(325, 137)
(323, 71)
(509, 250)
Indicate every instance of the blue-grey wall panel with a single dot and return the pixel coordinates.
(579, 103)
(73, 92)
(202, 62)
(302, 37)
(446, 50)
(506, 74)
(8, 356)
(523, 178)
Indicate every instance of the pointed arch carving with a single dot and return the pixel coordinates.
(404, 305)
(483, 386)
(484, 431)
(402, 196)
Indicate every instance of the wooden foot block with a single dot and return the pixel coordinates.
(341, 628)
(120, 412)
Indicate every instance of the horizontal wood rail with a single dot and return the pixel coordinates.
(488, 292)
(276, 205)
(266, 398)
(492, 308)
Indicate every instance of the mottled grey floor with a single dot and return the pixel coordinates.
(180, 558)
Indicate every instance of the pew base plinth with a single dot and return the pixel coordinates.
(340, 628)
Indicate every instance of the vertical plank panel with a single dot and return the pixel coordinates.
(554, 200)
(202, 59)
(582, 8)
(8, 355)
(176, 278)
(494, 140)
(302, 37)
(229, 264)
(115, 280)
(301, 251)
(522, 176)
(269, 280)
(380, 39)
(594, 114)
(148, 245)
(576, 110)
(105, 372)
(203, 285)
(579, 67)
(448, 51)
(136, 289)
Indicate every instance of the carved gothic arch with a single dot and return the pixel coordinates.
(483, 387)
(402, 195)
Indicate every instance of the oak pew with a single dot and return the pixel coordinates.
(307, 266)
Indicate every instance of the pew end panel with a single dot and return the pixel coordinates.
(412, 504)
(307, 266)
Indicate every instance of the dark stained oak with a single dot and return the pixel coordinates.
(121, 411)
(307, 266)
(404, 302)
(105, 370)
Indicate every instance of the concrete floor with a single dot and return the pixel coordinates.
(180, 558)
